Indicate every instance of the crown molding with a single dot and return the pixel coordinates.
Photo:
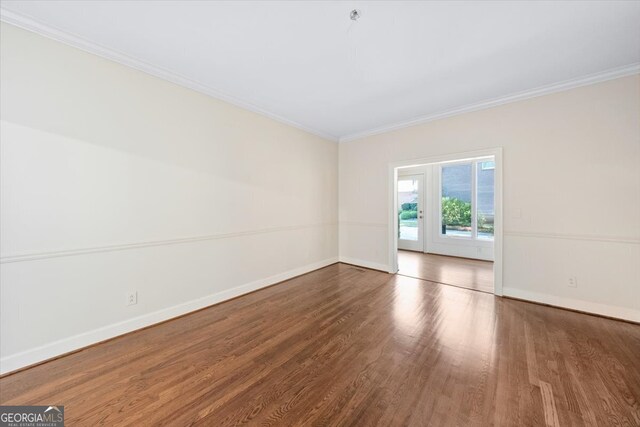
(78, 42)
(519, 96)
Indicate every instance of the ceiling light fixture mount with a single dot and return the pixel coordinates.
(354, 15)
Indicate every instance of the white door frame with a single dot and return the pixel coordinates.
(417, 245)
(498, 225)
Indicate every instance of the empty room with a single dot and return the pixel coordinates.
(296, 213)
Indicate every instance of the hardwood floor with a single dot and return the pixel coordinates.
(349, 346)
(463, 272)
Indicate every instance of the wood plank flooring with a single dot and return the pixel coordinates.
(463, 272)
(349, 346)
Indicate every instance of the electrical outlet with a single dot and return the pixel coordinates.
(132, 298)
(573, 282)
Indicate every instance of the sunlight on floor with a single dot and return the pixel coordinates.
(462, 272)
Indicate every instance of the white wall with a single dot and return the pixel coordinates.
(571, 192)
(113, 180)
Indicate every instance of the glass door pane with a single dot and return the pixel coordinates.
(408, 208)
(410, 216)
(456, 182)
(485, 199)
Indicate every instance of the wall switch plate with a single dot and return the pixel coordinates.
(573, 282)
(132, 298)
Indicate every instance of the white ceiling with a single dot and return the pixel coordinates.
(308, 64)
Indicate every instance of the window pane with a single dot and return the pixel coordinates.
(408, 209)
(490, 165)
(456, 200)
(485, 200)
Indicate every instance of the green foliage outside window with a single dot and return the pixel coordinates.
(456, 212)
(408, 214)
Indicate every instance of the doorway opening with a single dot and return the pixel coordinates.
(446, 220)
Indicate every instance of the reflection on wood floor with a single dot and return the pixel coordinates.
(462, 272)
(351, 346)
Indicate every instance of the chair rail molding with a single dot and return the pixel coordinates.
(31, 256)
(572, 236)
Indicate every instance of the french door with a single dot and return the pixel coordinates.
(411, 212)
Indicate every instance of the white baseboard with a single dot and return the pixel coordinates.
(367, 264)
(575, 304)
(66, 345)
